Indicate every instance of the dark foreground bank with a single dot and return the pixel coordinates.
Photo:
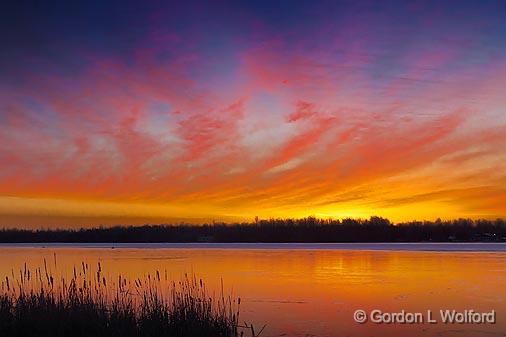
(306, 230)
(39, 305)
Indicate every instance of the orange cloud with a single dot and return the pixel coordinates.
(296, 134)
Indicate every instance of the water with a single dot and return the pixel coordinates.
(304, 290)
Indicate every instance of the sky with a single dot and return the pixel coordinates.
(125, 112)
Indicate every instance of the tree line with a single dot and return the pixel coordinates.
(309, 229)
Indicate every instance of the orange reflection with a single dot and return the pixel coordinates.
(300, 292)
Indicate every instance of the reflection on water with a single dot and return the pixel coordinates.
(313, 292)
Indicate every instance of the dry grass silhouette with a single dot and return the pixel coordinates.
(89, 303)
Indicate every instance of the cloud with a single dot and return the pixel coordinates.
(288, 129)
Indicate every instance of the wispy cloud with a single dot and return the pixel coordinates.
(288, 124)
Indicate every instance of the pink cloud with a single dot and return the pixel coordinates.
(149, 131)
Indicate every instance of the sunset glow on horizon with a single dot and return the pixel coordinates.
(118, 114)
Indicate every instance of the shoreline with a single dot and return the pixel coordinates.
(356, 246)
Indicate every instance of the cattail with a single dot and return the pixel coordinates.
(186, 298)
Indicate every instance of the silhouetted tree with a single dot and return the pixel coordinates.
(310, 229)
